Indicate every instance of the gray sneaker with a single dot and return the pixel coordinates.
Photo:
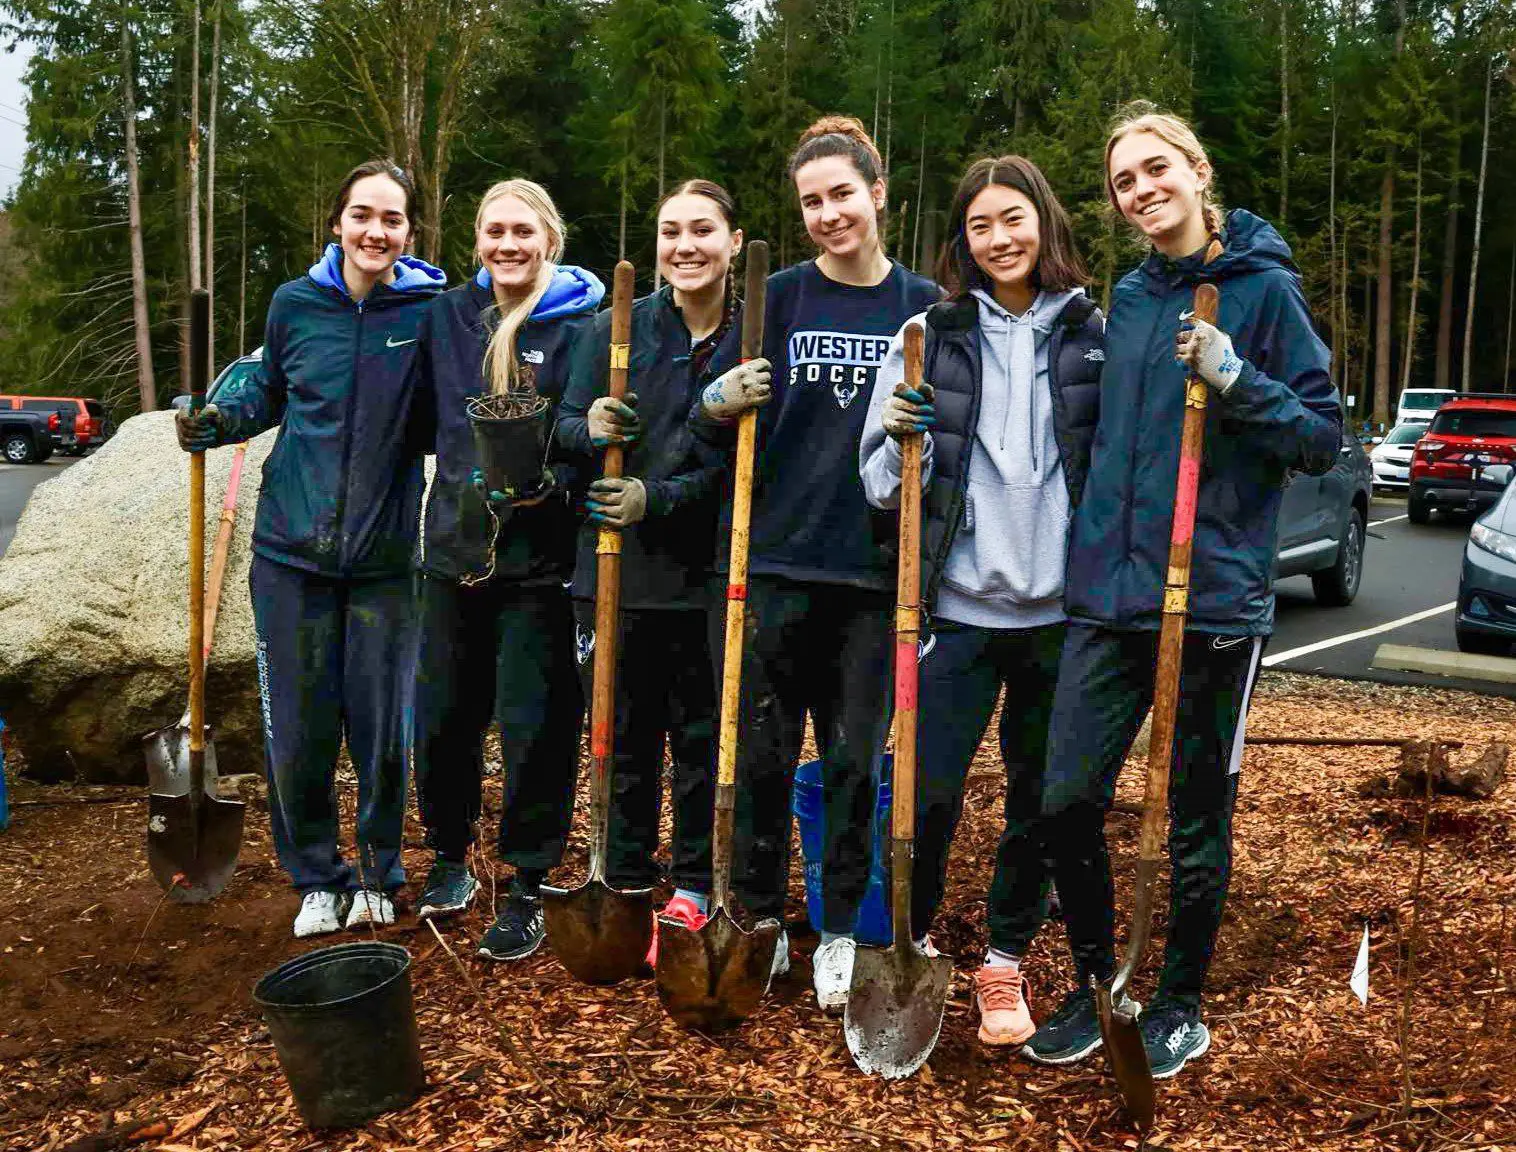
(450, 888)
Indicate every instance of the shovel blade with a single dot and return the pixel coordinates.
(192, 841)
(1129, 1059)
(601, 935)
(712, 978)
(894, 1009)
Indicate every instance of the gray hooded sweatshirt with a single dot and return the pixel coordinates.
(1006, 566)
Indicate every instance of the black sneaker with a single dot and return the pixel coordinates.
(1071, 1033)
(450, 888)
(517, 932)
(1173, 1035)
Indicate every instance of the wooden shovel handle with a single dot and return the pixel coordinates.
(199, 361)
(1176, 591)
(221, 548)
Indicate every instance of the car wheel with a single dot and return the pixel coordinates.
(1479, 644)
(1417, 509)
(18, 448)
(1336, 586)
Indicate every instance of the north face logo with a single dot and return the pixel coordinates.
(845, 393)
(584, 642)
(533, 356)
(1095, 354)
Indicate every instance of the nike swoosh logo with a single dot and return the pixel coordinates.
(1229, 641)
(390, 343)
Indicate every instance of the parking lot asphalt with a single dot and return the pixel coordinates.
(16, 484)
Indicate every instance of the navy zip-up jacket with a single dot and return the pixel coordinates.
(535, 544)
(1282, 413)
(666, 557)
(341, 491)
(826, 341)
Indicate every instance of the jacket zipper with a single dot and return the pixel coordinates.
(347, 443)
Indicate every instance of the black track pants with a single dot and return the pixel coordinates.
(1105, 686)
(961, 674)
(663, 690)
(823, 649)
(503, 652)
(333, 660)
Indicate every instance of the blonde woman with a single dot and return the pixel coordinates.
(1271, 409)
(497, 624)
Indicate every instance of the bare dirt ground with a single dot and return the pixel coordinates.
(116, 1008)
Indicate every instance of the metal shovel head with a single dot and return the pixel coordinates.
(712, 978)
(1129, 1059)
(894, 1009)
(600, 934)
(192, 842)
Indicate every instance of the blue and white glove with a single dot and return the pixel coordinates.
(749, 385)
(1207, 351)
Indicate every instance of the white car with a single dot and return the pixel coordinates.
(1391, 457)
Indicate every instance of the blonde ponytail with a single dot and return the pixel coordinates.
(501, 365)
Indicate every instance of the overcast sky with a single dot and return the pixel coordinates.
(12, 116)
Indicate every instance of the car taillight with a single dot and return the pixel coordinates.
(1430, 446)
(52, 422)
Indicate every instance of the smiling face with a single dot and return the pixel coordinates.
(1005, 240)
(373, 228)
(1159, 191)
(841, 211)
(695, 243)
(512, 243)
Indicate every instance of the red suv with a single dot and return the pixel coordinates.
(81, 423)
(1462, 462)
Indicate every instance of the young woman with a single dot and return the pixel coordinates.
(1013, 358)
(822, 568)
(1272, 408)
(497, 638)
(332, 542)
(665, 506)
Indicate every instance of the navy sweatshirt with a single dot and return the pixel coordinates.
(826, 341)
(341, 490)
(666, 557)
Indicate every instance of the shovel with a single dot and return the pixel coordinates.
(600, 934)
(712, 978)
(193, 835)
(895, 1005)
(1118, 1019)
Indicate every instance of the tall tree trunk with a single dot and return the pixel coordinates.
(1386, 303)
(210, 188)
(621, 217)
(1366, 390)
(1284, 113)
(1468, 307)
(1408, 356)
(889, 94)
(1510, 315)
(663, 120)
(194, 157)
(242, 280)
(1337, 322)
(147, 389)
(920, 199)
(1443, 371)
(1345, 375)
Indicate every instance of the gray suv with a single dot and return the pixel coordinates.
(1323, 524)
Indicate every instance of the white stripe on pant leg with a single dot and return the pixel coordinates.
(1240, 735)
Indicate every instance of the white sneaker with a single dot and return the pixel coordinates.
(781, 965)
(832, 967)
(370, 907)
(320, 913)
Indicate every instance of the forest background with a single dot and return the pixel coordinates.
(178, 142)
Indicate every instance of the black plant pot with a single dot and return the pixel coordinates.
(510, 437)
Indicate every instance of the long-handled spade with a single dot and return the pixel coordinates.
(712, 978)
(895, 1005)
(602, 934)
(193, 836)
(1118, 1020)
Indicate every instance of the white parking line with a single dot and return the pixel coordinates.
(1388, 520)
(1348, 638)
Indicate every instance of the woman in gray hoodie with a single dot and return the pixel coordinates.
(1013, 360)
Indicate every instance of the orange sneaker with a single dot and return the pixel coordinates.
(1004, 1018)
(680, 910)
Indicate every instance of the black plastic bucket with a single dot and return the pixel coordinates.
(511, 448)
(344, 1027)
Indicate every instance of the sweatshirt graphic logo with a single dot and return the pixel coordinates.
(584, 643)
(842, 361)
(532, 356)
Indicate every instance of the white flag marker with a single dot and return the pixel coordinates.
(1359, 980)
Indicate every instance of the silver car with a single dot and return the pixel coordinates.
(1486, 619)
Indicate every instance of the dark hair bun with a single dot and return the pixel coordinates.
(855, 143)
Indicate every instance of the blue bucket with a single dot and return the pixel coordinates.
(873, 924)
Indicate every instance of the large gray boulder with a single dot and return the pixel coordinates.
(94, 615)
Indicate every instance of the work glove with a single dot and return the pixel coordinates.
(1207, 351)
(501, 504)
(198, 431)
(910, 410)
(614, 421)
(749, 385)
(617, 503)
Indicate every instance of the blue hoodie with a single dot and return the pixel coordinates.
(536, 544)
(1281, 414)
(341, 492)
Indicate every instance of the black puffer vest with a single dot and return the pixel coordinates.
(1076, 355)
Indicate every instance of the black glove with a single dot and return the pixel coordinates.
(198, 431)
